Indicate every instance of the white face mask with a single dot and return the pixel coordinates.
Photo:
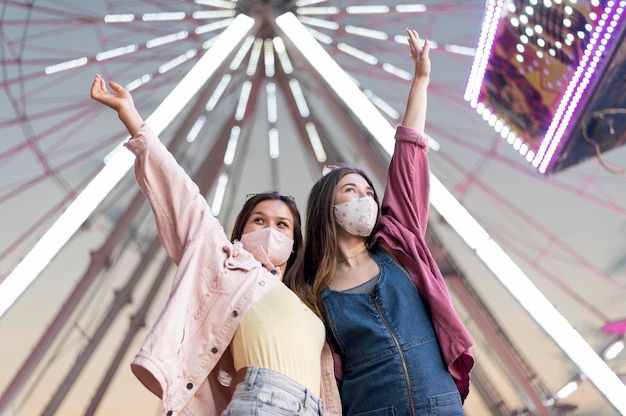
(272, 248)
(357, 217)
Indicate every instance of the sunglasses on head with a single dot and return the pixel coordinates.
(329, 168)
(250, 196)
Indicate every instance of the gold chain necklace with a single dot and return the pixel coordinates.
(353, 256)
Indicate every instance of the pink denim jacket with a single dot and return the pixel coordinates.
(185, 357)
(404, 212)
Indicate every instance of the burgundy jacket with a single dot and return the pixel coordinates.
(404, 220)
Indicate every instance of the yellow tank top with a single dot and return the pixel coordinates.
(281, 333)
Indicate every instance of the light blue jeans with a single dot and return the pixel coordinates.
(265, 392)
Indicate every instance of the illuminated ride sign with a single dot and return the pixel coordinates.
(548, 76)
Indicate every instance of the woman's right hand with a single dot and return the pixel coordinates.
(120, 100)
(117, 101)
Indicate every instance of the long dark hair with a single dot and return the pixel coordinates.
(248, 207)
(319, 262)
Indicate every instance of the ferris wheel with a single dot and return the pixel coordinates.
(258, 95)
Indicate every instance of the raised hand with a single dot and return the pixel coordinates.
(415, 113)
(419, 54)
(120, 100)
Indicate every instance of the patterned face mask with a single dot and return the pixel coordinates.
(357, 217)
(272, 248)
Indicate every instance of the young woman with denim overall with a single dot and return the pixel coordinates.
(205, 354)
(400, 347)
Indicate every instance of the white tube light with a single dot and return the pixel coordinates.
(357, 53)
(64, 66)
(410, 8)
(119, 18)
(114, 53)
(209, 42)
(399, 72)
(253, 62)
(211, 27)
(272, 102)
(273, 143)
(217, 3)
(503, 267)
(213, 14)
(325, 24)
(195, 129)
(177, 61)
(316, 142)
(242, 52)
(136, 83)
(321, 37)
(460, 50)
(218, 198)
(337, 79)
(268, 58)
(231, 147)
(86, 202)
(365, 32)
(163, 40)
(153, 17)
(567, 389)
(367, 9)
(613, 350)
(240, 111)
(317, 10)
(217, 94)
(285, 62)
(302, 3)
(298, 96)
(383, 105)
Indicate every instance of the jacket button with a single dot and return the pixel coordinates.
(235, 314)
(169, 413)
(273, 271)
(189, 386)
(262, 283)
(214, 350)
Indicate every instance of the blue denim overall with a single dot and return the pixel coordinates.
(391, 356)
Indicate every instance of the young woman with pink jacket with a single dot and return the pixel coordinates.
(232, 338)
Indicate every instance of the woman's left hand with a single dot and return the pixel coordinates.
(420, 54)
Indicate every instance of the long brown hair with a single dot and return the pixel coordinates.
(248, 207)
(319, 262)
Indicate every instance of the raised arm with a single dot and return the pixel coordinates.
(121, 101)
(415, 115)
(181, 212)
(408, 184)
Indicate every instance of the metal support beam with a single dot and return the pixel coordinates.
(137, 322)
(99, 261)
(122, 298)
(523, 377)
